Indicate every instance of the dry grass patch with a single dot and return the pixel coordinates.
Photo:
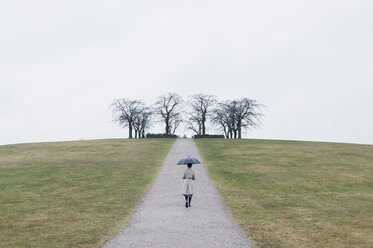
(295, 194)
(73, 194)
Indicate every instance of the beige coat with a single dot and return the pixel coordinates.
(188, 178)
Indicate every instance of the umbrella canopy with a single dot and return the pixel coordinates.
(189, 161)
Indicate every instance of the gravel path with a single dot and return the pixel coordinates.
(162, 220)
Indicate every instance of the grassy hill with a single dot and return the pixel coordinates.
(282, 193)
(295, 194)
(73, 194)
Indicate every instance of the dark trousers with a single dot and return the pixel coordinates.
(188, 198)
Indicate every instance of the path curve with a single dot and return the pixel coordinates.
(161, 220)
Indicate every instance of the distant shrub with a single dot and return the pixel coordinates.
(160, 135)
(218, 136)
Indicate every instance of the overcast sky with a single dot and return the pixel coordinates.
(63, 62)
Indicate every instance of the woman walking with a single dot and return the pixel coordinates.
(187, 189)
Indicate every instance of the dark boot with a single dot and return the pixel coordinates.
(190, 199)
(186, 201)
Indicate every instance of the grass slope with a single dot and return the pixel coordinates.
(295, 194)
(73, 194)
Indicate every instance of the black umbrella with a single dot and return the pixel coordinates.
(189, 160)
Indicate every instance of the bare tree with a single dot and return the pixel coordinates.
(232, 110)
(146, 116)
(221, 118)
(124, 112)
(174, 124)
(201, 104)
(142, 121)
(195, 124)
(247, 113)
(233, 116)
(168, 108)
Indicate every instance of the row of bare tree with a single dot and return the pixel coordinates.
(231, 117)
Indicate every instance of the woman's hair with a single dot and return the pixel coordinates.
(190, 165)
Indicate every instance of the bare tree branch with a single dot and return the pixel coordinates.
(142, 120)
(124, 112)
(234, 116)
(201, 104)
(168, 108)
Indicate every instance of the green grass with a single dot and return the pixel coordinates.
(295, 194)
(73, 194)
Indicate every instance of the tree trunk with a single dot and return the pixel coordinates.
(167, 127)
(235, 134)
(225, 132)
(143, 133)
(203, 126)
(239, 129)
(136, 133)
(130, 130)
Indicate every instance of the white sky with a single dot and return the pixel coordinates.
(63, 62)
